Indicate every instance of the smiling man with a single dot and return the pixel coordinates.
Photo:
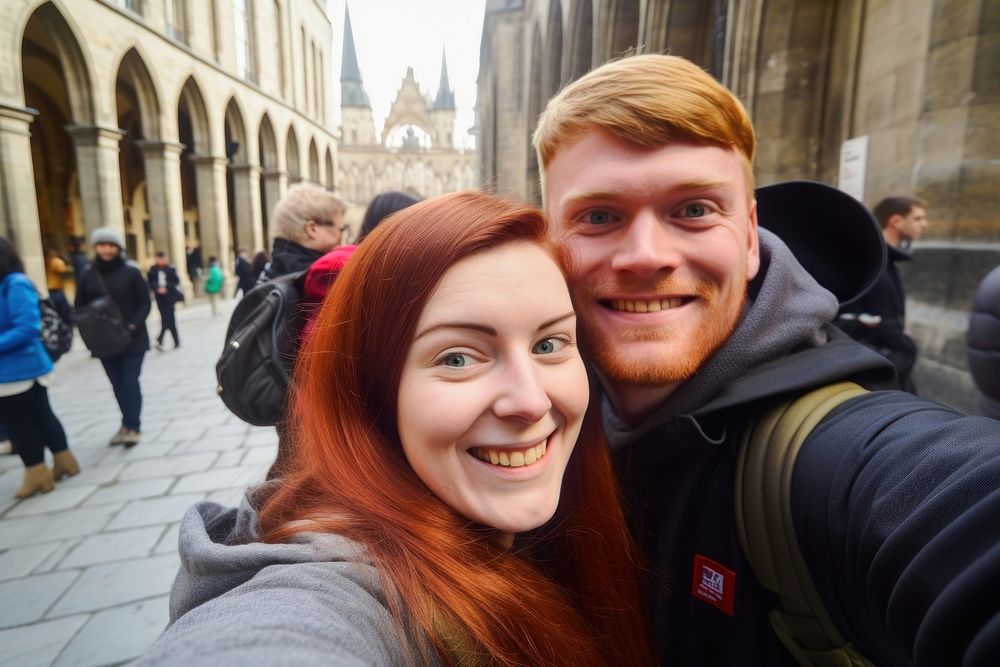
(697, 321)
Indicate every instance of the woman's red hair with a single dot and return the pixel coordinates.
(566, 594)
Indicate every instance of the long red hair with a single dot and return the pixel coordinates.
(565, 594)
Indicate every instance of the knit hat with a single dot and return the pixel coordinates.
(107, 235)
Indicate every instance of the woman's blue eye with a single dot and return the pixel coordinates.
(454, 360)
(549, 345)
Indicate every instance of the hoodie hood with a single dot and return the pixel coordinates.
(786, 317)
(220, 550)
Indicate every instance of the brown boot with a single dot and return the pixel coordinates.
(37, 478)
(64, 465)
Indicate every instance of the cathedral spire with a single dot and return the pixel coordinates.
(445, 95)
(352, 90)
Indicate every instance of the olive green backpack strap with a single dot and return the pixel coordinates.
(762, 495)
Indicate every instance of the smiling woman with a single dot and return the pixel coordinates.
(446, 499)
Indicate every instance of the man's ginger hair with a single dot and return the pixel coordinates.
(650, 101)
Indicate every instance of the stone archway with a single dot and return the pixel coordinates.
(53, 148)
(313, 162)
(242, 183)
(293, 166)
(273, 181)
(330, 182)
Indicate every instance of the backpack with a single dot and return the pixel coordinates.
(101, 324)
(264, 335)
(57, 336)
(762, 496)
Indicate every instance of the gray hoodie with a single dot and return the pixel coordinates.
(239, 601)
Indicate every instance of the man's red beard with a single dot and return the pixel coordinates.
(716, 325)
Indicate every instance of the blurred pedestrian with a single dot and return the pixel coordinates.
(878, 319)
(110, 275)
(260, 261)
(194, 266)
(55, 281)
(245, 277)
(983, 343)
(165, 284)
(25, 372)
(213, 284)
(324, 270)
(77, 258)
(308, 222)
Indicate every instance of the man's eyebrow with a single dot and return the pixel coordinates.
(488, 330)
(606, 195)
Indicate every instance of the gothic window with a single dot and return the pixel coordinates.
(176, 20)
(279, 45)
(242, 17)
(131, 5)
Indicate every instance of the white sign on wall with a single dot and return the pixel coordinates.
(853, 165)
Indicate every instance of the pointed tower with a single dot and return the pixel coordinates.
(358, 126)
(443, 110)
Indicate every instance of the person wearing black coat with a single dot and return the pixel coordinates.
(127, 287)
(245, 277)
(164, 283)
(983, 343)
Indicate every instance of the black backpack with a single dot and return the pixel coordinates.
(57, 336)
(255, 368)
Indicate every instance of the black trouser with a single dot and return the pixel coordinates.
(165, 304)
(32, 424)
(123, 371)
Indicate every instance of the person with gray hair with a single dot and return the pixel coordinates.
(307, 223)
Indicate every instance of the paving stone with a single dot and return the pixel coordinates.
(168, 509)
(94, 475)
(62, 498)
(168, 467)
(230, 458)
(262, 438)
(209, 444)
(221, 478)
(54, 558)
(38, 645)
(116, 635)
(113, 584)
(119, 545)
(260, 455)
(144, 450)
(140, 488)
(19, 562)
(168, 543)
(58, 526)
(25, 600)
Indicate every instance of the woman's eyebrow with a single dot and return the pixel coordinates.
(486, 329)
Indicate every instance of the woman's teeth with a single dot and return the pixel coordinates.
(511, 458)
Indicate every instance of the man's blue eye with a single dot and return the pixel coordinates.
(598, 217)
(695, 211)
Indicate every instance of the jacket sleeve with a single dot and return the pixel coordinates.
(300, 614)
(26, 320)
(896, 504)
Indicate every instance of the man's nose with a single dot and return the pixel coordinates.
(647, 246)
(521, 392)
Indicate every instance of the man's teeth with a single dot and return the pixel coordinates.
(508, 457)
(645, 306)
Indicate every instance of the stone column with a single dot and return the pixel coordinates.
(97, 151)
(163, 198)
(210, 173)
(246, 183)
(275, 187)
(18, 205)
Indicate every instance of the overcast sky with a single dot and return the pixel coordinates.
(391, 35)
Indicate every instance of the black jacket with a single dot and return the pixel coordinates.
(244, 275)
(886, 301)
(894, 498)
(127, 287)
(172, 282)
(983, 343)
(289, 257)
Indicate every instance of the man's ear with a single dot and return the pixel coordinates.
(309, 229)
(753, 243)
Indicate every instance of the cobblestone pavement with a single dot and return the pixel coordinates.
(85, 570)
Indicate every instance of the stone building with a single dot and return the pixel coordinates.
(917, 80)
(416, 153)
(179, 122)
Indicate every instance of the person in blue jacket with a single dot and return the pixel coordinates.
(703, 303)
(25, 372)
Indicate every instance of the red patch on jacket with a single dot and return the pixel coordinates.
(713, 583)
